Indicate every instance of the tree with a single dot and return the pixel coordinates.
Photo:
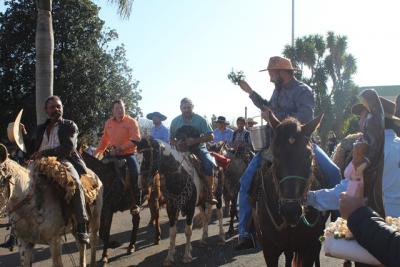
(45, 47)
(320, 61)
(88, 75)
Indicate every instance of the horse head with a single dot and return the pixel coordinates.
(292, 167)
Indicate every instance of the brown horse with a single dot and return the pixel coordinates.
(117, 197)
(283, 222)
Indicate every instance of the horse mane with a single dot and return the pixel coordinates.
(15, 169)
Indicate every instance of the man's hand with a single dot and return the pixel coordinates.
(245, 87)
(349, 204)
(22, 129)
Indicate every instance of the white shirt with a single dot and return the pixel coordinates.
(391, 174)
(50, 141)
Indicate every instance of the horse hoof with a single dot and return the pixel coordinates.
(167, 263)
(187, 259)
(131, 249)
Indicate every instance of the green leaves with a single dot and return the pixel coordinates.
(236, 76)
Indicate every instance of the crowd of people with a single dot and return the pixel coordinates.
(291, 98)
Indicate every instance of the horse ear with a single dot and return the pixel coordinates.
(3, 153)
(308, 128)
(272, 119)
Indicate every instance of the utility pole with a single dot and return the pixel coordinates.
(292, 23)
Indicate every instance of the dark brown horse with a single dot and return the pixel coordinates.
(283, 222)
(117, 197)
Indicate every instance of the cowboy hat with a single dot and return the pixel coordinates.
(250, 122)
(279, 63)
(156, 114)
(222, 119)
(389, 109)
(14, 132)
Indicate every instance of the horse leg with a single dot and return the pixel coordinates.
(105, 227)
(55, 250)
(288, 258)
(135, 227)
(271, 257)
(203, 216)
(221, 240)
(169, 260)
(232, 213)
(155, 213)
(82, 253)
(187, 257)
(25, 251)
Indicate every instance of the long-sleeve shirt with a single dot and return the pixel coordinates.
(120, 133)
(294, 99)
(161, 132)
(372, 232)
(328, 199)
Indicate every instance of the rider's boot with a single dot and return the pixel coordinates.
(210, 186)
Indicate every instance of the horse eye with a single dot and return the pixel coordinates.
(292, 140)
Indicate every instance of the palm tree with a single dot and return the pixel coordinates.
(44, 44)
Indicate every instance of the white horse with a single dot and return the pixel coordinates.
(47, 225)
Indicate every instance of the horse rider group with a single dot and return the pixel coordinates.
(290, 98)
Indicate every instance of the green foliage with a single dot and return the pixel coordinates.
(324, 61)
(88, 74)
(236, 76)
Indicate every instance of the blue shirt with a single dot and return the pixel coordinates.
(328, 199)
(223, 136)
(161, 132)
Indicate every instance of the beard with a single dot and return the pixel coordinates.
(278, 83)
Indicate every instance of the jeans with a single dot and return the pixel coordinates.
(207, 161)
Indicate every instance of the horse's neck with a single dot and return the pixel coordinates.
(20, 183)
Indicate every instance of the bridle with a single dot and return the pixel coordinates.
(285, 200)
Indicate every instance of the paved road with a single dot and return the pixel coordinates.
(149, 255)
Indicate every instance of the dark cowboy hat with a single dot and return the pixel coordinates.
(156, 114)
(389, 108)
(222, 119)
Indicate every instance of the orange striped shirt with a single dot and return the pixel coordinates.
(120, 133)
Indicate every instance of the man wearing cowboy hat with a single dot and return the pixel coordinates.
(221, 133)
(290, 98)
(159, 131)
(250, 122)
(329, 199)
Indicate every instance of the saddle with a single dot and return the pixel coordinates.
(58, 173)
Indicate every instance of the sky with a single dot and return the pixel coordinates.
(186, 48)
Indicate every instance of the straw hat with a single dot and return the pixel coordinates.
(279, 63)
(14, 132)
(250, 122)
(389, 108)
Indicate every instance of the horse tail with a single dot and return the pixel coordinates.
(298, 260)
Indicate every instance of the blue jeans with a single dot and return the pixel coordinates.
(207, 161)
(328, 169)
